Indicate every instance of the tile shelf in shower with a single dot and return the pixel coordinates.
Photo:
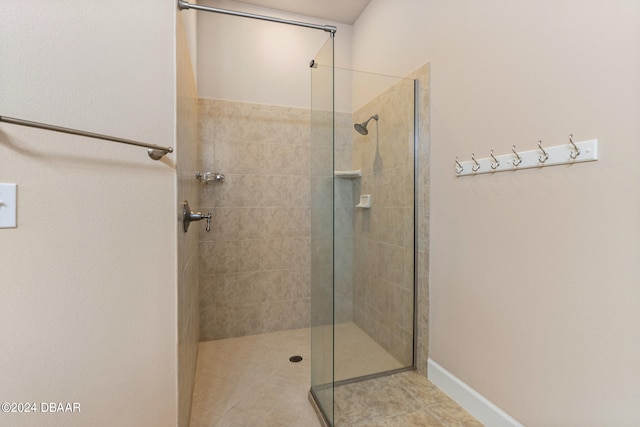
(348, 174)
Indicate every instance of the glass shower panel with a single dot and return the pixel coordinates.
(373, 225)
(362, 229)
(322, 310)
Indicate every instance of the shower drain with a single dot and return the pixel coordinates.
(295, 359)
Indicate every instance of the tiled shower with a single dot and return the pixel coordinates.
(256, 262)
(254, 271)
(383, 280)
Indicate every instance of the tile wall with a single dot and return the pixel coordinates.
(422, 76)
(383, 235)
(331, 206)
(343, 208)
(255, 262)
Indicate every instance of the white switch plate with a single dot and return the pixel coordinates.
(8, 205)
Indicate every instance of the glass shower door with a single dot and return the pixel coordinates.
(374, 226)
(363, 230)
(322, 288)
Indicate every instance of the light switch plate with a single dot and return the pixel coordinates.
(8, 205)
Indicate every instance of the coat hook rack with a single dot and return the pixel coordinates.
(565, 154)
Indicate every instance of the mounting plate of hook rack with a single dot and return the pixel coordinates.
(558, 155)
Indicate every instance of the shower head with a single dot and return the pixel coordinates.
(362, 127)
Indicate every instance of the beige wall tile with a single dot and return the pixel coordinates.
(219, 291)
(296, 191)
(262, 212)
(409, 226)
(250, 221)
(224, 225)
(273, 188)
(218, 257)
(380, 297)
(396, 226)
(295, 284)
(397, 305)
(249, 255)
(249, 157)
(383, 257)
(248, 191)
(273, 159)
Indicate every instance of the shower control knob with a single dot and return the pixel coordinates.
(188, 216)
(197, 216)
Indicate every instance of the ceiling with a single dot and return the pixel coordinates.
(345, 11)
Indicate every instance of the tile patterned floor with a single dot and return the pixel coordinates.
(401, 400)
(249, 382)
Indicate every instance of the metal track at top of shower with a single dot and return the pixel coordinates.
(182, 5)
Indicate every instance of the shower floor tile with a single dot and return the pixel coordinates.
(249, 381)
(357, 354)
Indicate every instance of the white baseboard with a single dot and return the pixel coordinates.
(474, 403)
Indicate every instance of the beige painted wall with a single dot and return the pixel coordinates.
(534, 275)
(189, 19)
(88, 279)
(261, 62)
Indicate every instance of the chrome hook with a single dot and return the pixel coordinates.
(518, 159)
(573, 154)
(459, 167)
(495, 163)
(545, 155)
(477, 165)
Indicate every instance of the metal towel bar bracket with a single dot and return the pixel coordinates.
(156, 152)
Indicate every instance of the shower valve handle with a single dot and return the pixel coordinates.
(197, 216)
(188, 216)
